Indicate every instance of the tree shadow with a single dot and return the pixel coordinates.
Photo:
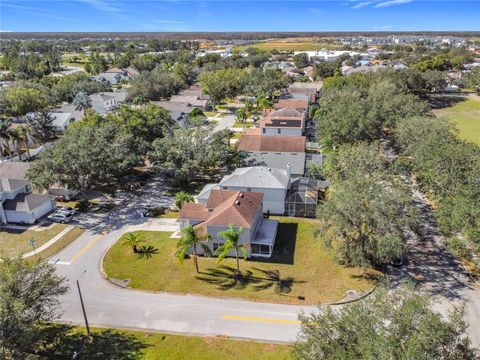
(272, 278)
(369, 276)
(226, 278)
(146, 251)
(441, 102)
(64, 342)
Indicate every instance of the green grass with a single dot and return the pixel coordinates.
(170, 215)
(466, 117)
(304, 265)
(113, 344)
(16, 242)
(289, 44)
(61, 243)
(242, 125)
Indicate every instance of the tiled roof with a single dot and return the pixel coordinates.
(271, 143)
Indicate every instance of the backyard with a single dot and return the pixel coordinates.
(301, 266)
(465, 114)
(17, 242)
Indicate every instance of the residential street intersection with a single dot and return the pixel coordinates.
(109, 305)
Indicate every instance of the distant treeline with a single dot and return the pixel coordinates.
(216, 35)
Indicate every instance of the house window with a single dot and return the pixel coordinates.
(259, 249)
(279, 131)
(249, 189)
(215, 246)
(264, 130)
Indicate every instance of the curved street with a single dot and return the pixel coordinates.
(109, 305)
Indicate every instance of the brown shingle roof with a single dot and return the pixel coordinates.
(238, 210)
(291, 103)
(271, 143)
(194, 212)
(229, 208)
(13, 170)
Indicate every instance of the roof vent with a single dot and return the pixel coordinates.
(237, 202)
(242, 195)
(269, 169)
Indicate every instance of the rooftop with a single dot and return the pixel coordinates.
(271, 143)
(257, 177)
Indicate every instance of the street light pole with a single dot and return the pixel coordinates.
(83, 306)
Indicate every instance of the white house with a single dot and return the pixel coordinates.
(273, 183)
(62, 121)
(225, 208)
(17, 203)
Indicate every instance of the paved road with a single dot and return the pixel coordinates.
(112, 306)
(438, 273)
(109, 305)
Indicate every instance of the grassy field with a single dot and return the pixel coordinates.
(112, 344)
(466, 117)
(300, 266)
(16, 242)
(289, 44)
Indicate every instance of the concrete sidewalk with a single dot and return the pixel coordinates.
(49, 242)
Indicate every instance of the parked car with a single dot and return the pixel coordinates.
(60, 217)
(66, 210)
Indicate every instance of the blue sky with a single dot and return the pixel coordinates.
(172, 15)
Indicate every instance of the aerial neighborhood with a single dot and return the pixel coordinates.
(258, 192)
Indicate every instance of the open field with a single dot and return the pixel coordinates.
(466, 117)
(300, 266)
(290, 44)
(113, 344)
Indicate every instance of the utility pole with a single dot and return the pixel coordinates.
(83, 306)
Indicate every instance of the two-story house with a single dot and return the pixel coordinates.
(273, 151)
(17, 203)
(287, 121)
(273, 183)
(225, 208)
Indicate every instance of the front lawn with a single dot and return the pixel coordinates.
(126, 344)
(300, 266)
(17, 242)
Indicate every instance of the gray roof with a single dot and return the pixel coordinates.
(205, 193)
(61, 119)
(26, 202)
(176, 109)
(257, 177)
(70, 109)
(11, 184)
(112, 78)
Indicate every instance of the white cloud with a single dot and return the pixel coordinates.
(385, 4)
(362, 4)
(34, 11)
(103, 6)
(4, 31)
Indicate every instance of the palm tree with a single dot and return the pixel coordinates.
(24, 132)
(6, 135)
(231, 236)
(133, 240)
(183, 197)
(16, 138)
(189, 239)
(82, 102)
(140, 100)
(264, 103)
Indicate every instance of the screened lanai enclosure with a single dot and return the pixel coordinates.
(303, 196)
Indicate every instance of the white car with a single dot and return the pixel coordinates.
(60, 217)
